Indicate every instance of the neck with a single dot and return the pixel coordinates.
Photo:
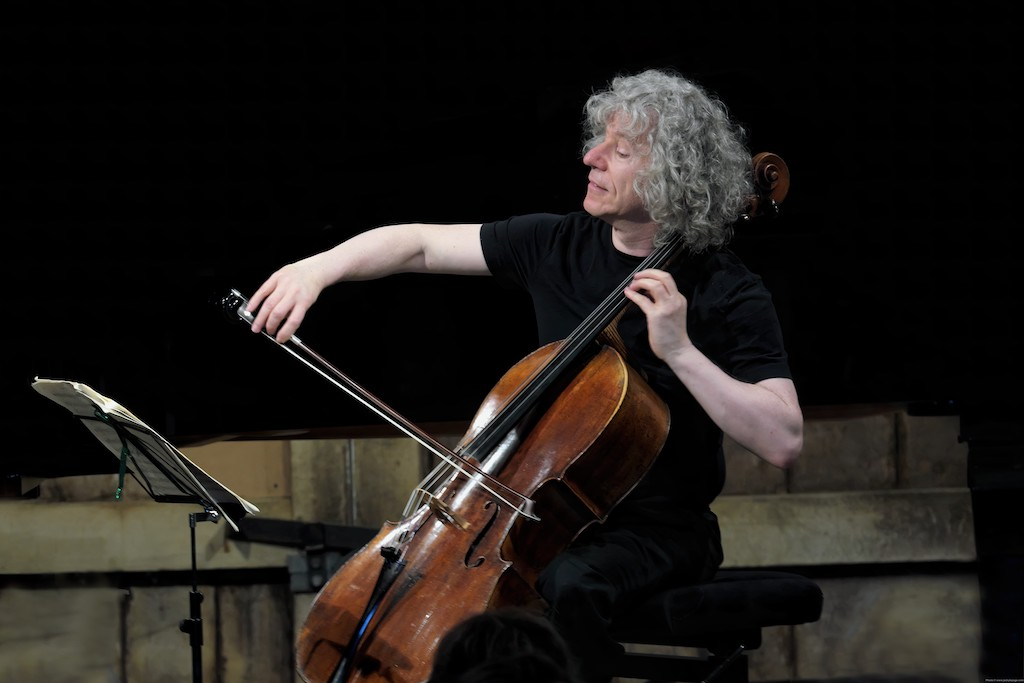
(635, 239)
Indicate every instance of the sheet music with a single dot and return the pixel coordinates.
(165, 472)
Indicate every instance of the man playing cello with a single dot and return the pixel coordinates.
(666, 162)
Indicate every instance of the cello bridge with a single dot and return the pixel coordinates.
(445, 513)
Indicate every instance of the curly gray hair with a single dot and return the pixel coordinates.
(697, 182)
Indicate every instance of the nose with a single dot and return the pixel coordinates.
(594, 156)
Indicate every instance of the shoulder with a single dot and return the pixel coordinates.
(719, 283)
(715, 270)
(534, 237)
(540, 224)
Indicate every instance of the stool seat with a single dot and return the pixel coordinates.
(723, 616)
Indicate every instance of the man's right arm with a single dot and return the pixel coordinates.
(283, 299)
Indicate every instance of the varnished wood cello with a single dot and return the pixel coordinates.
(528, 476)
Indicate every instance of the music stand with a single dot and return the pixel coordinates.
(166, 474)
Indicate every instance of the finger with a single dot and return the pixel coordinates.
(268, 286)
(639, 297)
(254, 307)
(656, 275)
(261, 319)
(650, 287)
(290, 326)
(277, 312)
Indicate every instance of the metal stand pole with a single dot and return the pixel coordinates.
(193, 626)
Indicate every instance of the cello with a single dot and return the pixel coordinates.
(516, 490)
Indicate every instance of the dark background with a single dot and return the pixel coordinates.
(155, 159)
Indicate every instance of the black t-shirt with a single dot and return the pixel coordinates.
(569, 266)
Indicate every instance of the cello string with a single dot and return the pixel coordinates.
(446, 474)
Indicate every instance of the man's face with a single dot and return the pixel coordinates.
(614, 164)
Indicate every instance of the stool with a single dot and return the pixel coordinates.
(721, 619)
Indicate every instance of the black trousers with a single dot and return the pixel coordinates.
(612, 565)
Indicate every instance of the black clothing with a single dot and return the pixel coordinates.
(663, 530)
(569, 266)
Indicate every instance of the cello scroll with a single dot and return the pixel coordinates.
(771, 184)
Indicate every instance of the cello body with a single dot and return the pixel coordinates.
(382, 614)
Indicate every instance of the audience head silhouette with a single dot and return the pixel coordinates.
(505, 645)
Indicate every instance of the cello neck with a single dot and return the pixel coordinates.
(570, 350)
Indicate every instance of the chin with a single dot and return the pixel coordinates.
(593, 208)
